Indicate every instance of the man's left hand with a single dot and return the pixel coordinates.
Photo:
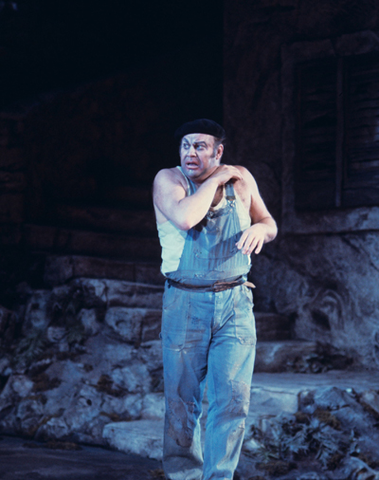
(252, 239)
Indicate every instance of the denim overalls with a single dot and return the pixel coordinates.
(208, 332)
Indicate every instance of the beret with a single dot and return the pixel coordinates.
(201, 125)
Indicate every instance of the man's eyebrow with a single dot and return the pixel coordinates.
(201, 143)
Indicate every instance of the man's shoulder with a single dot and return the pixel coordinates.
(167, 173)
(243, 169)
(247, 177)
(170, 176)
(246, 187)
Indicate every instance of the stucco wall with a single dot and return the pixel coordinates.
(325, 278)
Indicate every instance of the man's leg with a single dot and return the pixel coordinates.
(185, 341)
(230, 368)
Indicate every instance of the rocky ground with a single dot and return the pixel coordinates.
(312, 427)
(81, 365)
(88, 354)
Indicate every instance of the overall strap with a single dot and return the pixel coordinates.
(229, 191)
(191, 187)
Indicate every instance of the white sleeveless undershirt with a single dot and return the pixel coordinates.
(172, 239)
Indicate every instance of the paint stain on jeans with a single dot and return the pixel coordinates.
(240, 400)
(181, 426)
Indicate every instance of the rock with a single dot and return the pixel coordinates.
(73, 412)
(310, 476)
(20, 385)
(134, 295)
(278, 356)
(84, 406)
(350, 414)
(332, 398)
(151, 354)
(98, 377)
(55, 334)
(6, 320)
(4, 366)
(29, 416)
(36, 315)
(131, 379)
(252, 446)
(342, 404)
(143, 437)
(355, 469)
(271, 401)
(53, 428)
(74, 397)
(125, 322)
(153, 406)
(88, 317)
(134, 325)
(370, 401)
(127, 407)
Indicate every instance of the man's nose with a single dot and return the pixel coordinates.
(192, 151)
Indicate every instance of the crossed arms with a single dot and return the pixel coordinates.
(172, 203)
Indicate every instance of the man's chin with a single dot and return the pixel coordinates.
(193, 173)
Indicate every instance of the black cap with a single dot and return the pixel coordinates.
(201, 125)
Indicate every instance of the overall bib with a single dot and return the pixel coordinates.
(208, 332)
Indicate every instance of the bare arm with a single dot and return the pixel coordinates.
(263, 228)
(169, 195)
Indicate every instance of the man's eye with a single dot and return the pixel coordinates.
(186, 146)
(200, 147)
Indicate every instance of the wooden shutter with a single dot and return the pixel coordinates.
(315, 170)
(361, 142)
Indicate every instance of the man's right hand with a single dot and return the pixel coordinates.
(224, 173)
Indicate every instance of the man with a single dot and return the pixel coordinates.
(210, 218)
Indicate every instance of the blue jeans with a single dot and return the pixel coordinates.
(206, 335)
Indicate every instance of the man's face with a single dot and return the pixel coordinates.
(197, 157)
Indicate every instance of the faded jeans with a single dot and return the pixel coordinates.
(206, 335)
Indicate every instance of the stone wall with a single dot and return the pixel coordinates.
(89, 355)
(323, 270)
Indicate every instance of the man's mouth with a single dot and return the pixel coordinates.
(191, 165)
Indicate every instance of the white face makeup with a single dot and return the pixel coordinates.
(197, 156)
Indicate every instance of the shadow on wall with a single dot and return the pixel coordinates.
(91, 145)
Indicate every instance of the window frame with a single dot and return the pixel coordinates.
(332, 219)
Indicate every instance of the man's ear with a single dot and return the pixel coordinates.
(220, 151)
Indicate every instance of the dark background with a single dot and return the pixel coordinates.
(91, 93)
(47, 45)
